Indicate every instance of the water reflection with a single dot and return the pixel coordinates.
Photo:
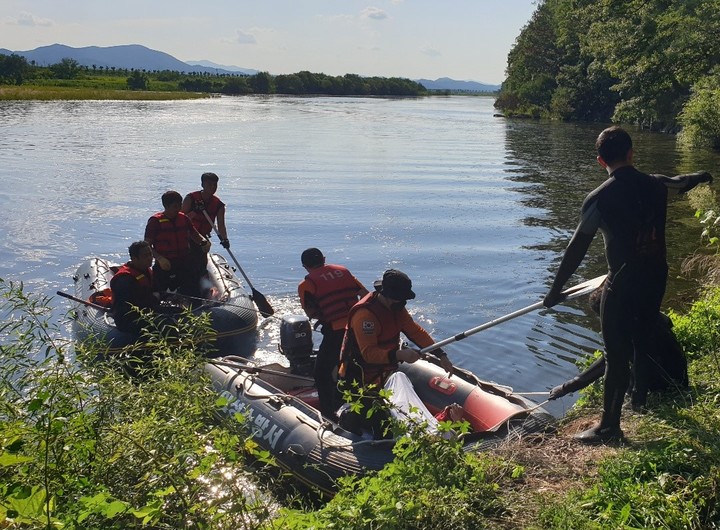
(476, 209)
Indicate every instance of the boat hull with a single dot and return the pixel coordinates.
(233, 317)
(281, 409)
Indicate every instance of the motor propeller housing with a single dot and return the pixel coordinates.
(296, 343)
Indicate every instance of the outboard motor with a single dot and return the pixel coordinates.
(296, 343)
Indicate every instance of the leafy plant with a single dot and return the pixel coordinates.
(83, 445)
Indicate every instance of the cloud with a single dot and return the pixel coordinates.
(374, 12)
(430, 52)
(244, 38)
(30, 20)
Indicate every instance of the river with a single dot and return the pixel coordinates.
(475, 208)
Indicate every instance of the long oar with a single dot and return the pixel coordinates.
(81, 301)
(261, 302)
(568, 294)
(259, 369)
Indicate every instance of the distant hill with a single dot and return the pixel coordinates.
(445, 83)
(224, 67)
(125, 56)
(140, 57)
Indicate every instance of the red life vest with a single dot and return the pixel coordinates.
(171, 236)
(212, 207)
(353, 366)
(335, 293)
(142, 292)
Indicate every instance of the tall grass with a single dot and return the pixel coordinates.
(82, 445)
(48, 93)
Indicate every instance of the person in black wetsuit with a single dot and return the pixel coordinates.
(629, 208)
(667, 362)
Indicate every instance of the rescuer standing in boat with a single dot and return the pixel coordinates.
(194, 206)
(372, 349)
(169, 233)
(630, 210)
(327, 293)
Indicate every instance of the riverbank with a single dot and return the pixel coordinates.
(666, 474)
(81, 443)
(50, 93)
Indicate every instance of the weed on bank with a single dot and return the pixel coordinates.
(84, 446)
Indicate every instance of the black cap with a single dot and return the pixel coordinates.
(396, 285)
(312, 257)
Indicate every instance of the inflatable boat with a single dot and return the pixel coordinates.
(232, 312)
(281, 405)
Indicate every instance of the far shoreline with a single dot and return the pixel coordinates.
(53, 93)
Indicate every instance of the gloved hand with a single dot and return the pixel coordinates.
(553, 298)
(557, 392)
(225, 243)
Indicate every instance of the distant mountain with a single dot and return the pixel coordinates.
(445, 83)
(125, 56)
(143, 58)
(210, 64)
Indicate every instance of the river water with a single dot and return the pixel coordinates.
(476, 209)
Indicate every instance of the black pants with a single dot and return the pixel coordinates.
(182, 277)
(629, 315)
(327, 360)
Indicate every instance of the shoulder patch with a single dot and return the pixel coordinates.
(368, 327)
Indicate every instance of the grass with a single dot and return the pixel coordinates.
(82, 446)
(49, 93)
(666, 475)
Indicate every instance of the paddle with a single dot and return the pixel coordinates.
(573, 292)
(81, 301)
(261, 370)
(220, 302)
(261, 302)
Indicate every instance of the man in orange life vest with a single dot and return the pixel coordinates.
(327, 293)
(132, 288)
(194, 206)
(372, 350)
(169, 233)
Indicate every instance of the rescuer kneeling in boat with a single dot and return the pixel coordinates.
(372, 349)
(132, 289)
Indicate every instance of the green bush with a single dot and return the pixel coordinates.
(700, 116)
(82, 445)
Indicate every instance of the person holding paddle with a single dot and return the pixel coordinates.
(327, 293)
(630, 210)
(371, 349)
(198, 203)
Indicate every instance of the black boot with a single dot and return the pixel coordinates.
(599, 435)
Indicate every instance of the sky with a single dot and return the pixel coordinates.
(418, 39)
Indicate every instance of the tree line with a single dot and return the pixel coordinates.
(16, 70)
(654, 63)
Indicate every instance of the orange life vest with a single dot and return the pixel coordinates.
(335, 292)
(170, 237)
(353, 366)
(212, 207)
(142, 286)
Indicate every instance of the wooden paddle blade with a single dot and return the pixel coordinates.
(262, 304)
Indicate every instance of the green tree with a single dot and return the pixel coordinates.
(289, 84)
(236, 85)
(13, 69)
(66, 69)
(261, 83)
(138, 81)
